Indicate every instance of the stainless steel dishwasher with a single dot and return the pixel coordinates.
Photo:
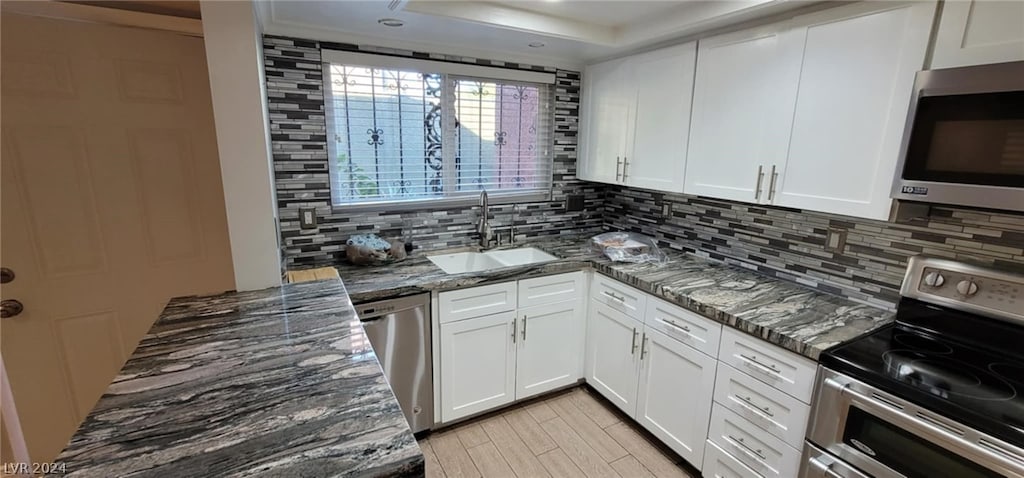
(399, 330)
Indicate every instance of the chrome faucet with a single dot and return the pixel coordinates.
(482, 227)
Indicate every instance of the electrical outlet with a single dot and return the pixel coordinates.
(835, 240)
(666, 209)
(307, 218)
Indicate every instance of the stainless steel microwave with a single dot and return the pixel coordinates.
(964, 139)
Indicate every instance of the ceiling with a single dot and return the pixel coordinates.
(174, 8)
(573, 32)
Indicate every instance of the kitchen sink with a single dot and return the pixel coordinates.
(462, 262)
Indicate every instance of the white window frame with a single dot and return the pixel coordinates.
(448, 154)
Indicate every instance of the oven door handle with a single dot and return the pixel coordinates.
(923, 429)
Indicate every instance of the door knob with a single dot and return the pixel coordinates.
(6, 275)
(10, 308)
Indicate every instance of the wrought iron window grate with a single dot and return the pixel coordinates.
(396, 135)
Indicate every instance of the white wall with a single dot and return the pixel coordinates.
(234, 55)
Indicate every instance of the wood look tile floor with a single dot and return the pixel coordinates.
(571, 434)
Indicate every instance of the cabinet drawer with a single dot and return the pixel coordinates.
(698, 332)
(719, 464)
(550, 289)
(618, 296)
(774, 411)
(476, 301)
(762, 452)
(779, 368)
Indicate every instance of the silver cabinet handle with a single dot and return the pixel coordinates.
(674, 324)
(618, 164)
(757, 187)
(753, 363)
(748, 401)
(625, 164)
(514, 323)
(621, 299)
(643, 346)
(771, 185)
(743, 446)
(524, 328)
(632, 350)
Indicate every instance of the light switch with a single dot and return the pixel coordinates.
(666, 209)
(835, 240)
(307, 218)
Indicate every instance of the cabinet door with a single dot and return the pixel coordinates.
(664, 83)
(977, 32)
(478, 365)
(743, 99)
(550, 343)
(676, 388)
(608, 109)
(613, 355)
(855, 84)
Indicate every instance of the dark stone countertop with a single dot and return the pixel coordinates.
(276, 382)
(789, 315)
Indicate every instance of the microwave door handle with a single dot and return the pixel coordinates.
(923, 429)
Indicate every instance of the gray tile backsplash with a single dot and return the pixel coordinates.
(785, 243)
(791, 244)
(299, 144)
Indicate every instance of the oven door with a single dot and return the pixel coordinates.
(964, 140)
(885, 436)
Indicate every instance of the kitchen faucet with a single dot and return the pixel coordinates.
(482, 227)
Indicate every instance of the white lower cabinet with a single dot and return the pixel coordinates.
(764, 453)
(550, 347)
(719, 464)
(478, 365)
(676, 387)
(613, 343)
(492, 360)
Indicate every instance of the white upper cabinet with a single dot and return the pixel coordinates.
(607, 109)
(664, 83)
(636, 114)
(742, 101)
(855, 83)
(977, 32)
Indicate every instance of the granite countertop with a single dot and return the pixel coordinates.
(792, 316)
(276, 382)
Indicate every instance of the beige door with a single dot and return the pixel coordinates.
(111, 204)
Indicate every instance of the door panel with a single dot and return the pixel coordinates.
(607, 111)
(848, 122)
(111, 204)
(676, 388)
(550, 353)
(664, 82)
(743, 98)
(478, 365)
(613, 346)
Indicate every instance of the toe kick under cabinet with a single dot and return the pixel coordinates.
(505, 342)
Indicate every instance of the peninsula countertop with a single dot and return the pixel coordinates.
(790, 315)
(276, 382)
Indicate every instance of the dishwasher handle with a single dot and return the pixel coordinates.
(368, 312)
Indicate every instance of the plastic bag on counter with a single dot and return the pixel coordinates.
(628, 247)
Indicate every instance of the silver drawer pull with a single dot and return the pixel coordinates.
(674, 324)
(763, 366)
(743, 446)
(621, 299)
(748, 401)
(632, 350)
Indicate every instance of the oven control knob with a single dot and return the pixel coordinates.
(967, 287)
(934, 279)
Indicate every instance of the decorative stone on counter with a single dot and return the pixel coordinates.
(276, 382)
(786, 314)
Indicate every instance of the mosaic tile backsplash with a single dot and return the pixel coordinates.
(791, 244)
(298, 138)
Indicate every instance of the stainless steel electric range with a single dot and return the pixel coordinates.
(938, 394)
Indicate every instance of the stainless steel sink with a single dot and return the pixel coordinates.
(462, 262)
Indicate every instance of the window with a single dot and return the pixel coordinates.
(409, 131)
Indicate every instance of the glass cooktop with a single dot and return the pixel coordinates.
(967, 368)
